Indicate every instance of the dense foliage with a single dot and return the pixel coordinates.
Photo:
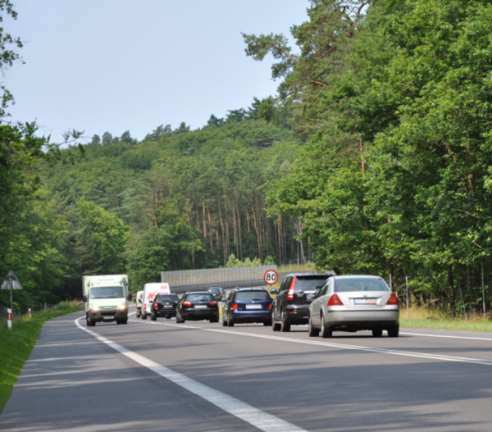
(375, 156)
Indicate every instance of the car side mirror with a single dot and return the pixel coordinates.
(274, 291)
(84, 298)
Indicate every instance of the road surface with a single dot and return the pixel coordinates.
(160, 376)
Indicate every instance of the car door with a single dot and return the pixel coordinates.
(316, 305)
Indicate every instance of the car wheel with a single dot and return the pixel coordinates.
(230, 321)
(275, 326)
(377, 332)
(214, 320)
(179, 319)
(313, 331)
(394, 331)
(325, 331)
(144, 316)
(224, 323)
(284, 324)
(153, 317)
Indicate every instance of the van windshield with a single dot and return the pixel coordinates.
(167, 298)
(106, 292)
(360, 284)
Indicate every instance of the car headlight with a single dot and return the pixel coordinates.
(95, 308)
(121, 307)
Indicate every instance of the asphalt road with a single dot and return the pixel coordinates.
(161, 376)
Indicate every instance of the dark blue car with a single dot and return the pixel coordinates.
(248, 305)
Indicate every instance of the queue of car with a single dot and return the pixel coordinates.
(326, 302)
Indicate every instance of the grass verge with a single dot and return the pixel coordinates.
(434, 319)
(16, 344)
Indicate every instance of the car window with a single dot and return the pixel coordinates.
(360, 284)
(167, 298)
(309, 283)
(249, 296)
(285, 284)
(199, 297)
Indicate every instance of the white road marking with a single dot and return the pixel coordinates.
(476, 338)
(254, 416)
(387, 351)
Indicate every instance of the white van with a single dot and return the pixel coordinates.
(149, 292)
(139, 302)
(105, 298)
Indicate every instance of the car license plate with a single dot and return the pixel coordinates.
(253, 306)
(364, 301)
(200, 307)
(167, 305)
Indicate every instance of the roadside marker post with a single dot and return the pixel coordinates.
(11, 283)
(9, 318)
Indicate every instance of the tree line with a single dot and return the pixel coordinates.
(374, 156)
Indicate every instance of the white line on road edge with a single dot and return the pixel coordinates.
(255, 417)
(400, 353)
(475, 338)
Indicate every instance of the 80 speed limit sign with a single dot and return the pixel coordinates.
(270, 277)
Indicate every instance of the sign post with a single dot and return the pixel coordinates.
(270, 277)
(11, 283)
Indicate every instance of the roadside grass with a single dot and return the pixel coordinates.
(435, 319)
(16, 344)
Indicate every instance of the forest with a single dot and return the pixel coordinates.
(374, 156)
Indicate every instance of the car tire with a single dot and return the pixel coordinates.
(144, 316)
(91, 323)
(214, 320)
(179, 319)
(284, 323)
(153, 317)
(325, 331)
(230, 322)
(275, 326)
(377, 332)
(313, 331)
(394, 331)
(224, 323)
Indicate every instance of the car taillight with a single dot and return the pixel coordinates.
(212, 303)
(234, 306)
(393, 299)
(334, 300)
(187, 304)
(155, 306)
(270, 306)
(290, 293)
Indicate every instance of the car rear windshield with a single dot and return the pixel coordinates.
(250, 296)
(360, 284)
(309, 283)
(199, 297)
(106, 292)
(167, 298)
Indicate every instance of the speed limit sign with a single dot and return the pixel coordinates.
(270, 277)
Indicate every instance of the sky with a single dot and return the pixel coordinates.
(116, 65)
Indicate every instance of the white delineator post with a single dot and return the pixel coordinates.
(9, 318)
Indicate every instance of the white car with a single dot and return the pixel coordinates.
(354, 302)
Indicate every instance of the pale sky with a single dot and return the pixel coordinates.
(117, 65)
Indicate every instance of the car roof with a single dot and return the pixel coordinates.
(197, 292)
(358, 276)
(308, 274)
(250, 289)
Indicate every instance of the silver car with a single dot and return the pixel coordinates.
(354, 302)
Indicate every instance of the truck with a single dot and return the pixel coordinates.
(151, 289)
(105, 298)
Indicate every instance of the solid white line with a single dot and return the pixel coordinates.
(254, 416)
(476, 338)
(400, 353)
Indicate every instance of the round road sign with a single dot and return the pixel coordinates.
(271, 277)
